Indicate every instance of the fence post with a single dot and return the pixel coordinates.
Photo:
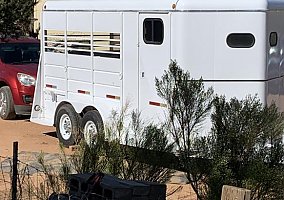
(15, 171)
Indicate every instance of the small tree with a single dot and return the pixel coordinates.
(16, 17)
(189, 103)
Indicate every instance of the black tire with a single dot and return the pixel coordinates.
(67, 125)
(91, 126)
(7, 109)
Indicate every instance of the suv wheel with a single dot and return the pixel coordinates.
(7, 110)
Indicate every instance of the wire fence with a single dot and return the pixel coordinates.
(28, 179)
(36, 176)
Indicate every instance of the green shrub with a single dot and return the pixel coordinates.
(127, 150)
(244, 147)
(247, 137)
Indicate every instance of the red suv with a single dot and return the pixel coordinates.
(18, 68)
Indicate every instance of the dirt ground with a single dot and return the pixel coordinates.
(31, 137)
(36, 138)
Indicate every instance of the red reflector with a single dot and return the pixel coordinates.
(112, 97)
(157, 104)
(50, 86)
(83, 92)
(154, 103)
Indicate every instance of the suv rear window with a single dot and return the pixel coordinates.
(17, 53)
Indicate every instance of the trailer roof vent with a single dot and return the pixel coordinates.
(240, 40)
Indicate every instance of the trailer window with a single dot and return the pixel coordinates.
(273, 38)
(240, 40)
(54, 41)
(153, 31)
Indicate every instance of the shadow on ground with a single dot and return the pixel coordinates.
(23, 117)
(52, 134)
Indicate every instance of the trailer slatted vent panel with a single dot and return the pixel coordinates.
(79, 43)
(107, 44)
(54, 41)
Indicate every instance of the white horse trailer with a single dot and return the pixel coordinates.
(98, 54)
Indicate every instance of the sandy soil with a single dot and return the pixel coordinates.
(180, 192)
(31, 137)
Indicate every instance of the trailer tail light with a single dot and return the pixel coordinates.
(37, 108)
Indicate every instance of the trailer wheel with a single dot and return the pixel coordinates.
(92, 125)
(67, 125)
(7, 110)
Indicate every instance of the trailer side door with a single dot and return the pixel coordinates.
(154, 58)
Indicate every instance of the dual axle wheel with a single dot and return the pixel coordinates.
(70, 127)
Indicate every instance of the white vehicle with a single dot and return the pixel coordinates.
(99, 54)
